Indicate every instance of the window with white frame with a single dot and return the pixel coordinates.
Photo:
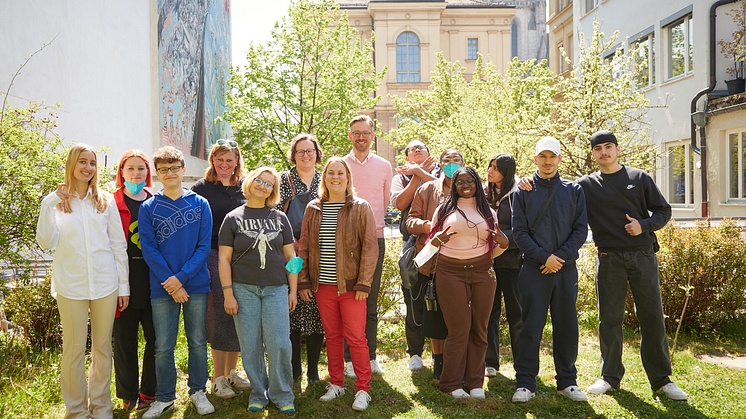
(645, 60)
(407, 58)
(472, 46)
(679, 52)
(615, 66)
(560, 58)
(737, 164)
(681, 175)
(590, 4)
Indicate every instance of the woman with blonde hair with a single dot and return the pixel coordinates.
(221, 187)
(255, 254)
(89, 273)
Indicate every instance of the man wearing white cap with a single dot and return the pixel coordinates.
(550, 225)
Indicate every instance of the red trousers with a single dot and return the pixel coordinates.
(344, 318)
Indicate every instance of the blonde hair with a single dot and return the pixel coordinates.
(212, 176)
(274, 196)
(323, 191)
(100, 198)
(363, 118)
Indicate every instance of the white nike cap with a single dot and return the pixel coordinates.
(548, 143)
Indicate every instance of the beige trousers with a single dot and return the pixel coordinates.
(74, 317)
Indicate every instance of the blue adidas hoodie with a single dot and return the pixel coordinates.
(175, 237)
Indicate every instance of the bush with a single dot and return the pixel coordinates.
(713, 261)
(32, 307)
(390, 296)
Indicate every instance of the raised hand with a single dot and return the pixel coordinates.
(633, 228)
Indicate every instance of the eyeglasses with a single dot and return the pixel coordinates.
(227, 142)
(263, 182)
(417, 147)
(309, 152)
(461, 183)
(361, 134)
(173, 169)
(453, 160)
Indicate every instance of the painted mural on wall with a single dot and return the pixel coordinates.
(194, 57)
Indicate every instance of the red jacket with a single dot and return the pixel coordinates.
(124, 212)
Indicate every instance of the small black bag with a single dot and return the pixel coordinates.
(407, 270)
(296, 208)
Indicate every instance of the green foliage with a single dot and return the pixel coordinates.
(389, 296)
(32, 307)
(713, 259)
(313, 76)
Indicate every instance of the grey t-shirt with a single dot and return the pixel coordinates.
(264, 234)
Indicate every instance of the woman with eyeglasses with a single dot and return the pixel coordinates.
(90, 275)
(464, 229)
(426, 200)
(340, 250)
(299, 186)
(256, 254)
(221, 186)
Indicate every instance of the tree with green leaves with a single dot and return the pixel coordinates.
(314, 76)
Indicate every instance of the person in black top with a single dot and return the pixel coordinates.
(625, 208)
(221, 186)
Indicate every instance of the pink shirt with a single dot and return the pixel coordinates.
(372, 182)
(471, 240)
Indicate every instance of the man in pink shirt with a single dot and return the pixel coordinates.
(371, 176)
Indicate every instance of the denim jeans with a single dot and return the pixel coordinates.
(263, 322)
(166, 324)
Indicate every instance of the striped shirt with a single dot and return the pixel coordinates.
(327, 242)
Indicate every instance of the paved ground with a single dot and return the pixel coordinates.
(724, 360)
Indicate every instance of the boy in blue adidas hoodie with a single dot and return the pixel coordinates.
(175, 227)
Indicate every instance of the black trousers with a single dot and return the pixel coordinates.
(414, 299)
(507, 288)
(126, 367)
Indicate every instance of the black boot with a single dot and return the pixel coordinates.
(437, 366)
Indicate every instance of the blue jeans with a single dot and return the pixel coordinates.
(166, 324)
(263, 321)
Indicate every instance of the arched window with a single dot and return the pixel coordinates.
(407, 58)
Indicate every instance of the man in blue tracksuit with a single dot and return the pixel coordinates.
(550, 225)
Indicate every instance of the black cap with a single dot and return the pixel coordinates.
(602, 137)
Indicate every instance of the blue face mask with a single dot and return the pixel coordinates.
(450, 168)
(135, 188)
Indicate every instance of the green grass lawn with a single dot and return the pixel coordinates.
(31, 388)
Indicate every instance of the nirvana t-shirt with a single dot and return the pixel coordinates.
(139, 273)
(263, 231)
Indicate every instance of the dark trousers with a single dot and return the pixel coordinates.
(507, 287)
(465, 290)
(639, 269)
(557, 292)
(371, 305)
(414, 299)
(314, 341)
(127, 370)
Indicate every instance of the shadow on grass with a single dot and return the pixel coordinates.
(637, 407)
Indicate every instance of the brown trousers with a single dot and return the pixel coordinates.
(466, 291)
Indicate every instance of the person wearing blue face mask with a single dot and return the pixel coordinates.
(426, 200)
(133, 175)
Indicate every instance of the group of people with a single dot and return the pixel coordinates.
(254, 261)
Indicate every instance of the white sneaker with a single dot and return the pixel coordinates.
(237, 381)
(222, 388)
(459, 394)
(415, 363)
(522, 395)
(490, 372)
(671, 391)
(573, 393)
(374, 367)
(476, 393)
(349, 370)
(332, 392)
(362, 398)
(200, 402)
(157, 409)
(601, 386)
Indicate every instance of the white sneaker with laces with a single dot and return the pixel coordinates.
(671, 391)
(362, 398)
(573, 393)
(522, 395)
(157, 409)
(375, 368)
(200, 402)
(490, 372)
(222, 388)
(415, 363)
(349, 370)
(601, 386)
(476, 393)
(459, 394)
(332, 392)
(237, 381)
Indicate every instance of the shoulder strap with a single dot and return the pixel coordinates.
(618, 192)
(535, 225)
(292, 192)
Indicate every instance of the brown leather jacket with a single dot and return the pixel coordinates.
(425, 201)
(356, 242)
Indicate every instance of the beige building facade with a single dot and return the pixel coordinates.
(561, 35)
